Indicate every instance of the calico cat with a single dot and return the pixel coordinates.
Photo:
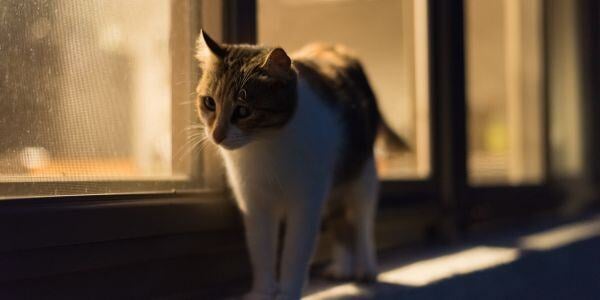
(296, 135)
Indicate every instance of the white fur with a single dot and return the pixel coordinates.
(288, 177)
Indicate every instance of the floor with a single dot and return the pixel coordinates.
(552, 261)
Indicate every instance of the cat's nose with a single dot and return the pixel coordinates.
(219, 135)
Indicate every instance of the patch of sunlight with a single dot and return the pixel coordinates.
(339, 292)
(427, 271)
(561, 236)
(424, 272)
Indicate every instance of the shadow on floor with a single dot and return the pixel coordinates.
(570, 272)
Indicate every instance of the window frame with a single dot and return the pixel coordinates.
(471, 205)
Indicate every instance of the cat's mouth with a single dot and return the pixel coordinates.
(232, 144)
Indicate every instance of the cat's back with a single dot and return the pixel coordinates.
(335, 72)
(338, 76)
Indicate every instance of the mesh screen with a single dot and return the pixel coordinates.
(85, 89)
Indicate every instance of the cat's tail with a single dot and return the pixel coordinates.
(391, 140)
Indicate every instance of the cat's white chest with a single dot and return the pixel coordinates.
(300, 156)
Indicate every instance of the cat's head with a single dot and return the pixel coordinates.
(244, 91)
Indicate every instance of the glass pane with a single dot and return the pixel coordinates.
(390, 37)
(564, 90)
(505, 90)
(86, 90)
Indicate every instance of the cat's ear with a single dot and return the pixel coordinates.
(277, 63)
(206, 48)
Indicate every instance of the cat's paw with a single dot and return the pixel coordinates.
(365, 275)
(337, 272)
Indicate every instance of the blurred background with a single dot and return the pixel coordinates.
(498, 100)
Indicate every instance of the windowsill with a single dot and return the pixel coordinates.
(58, 221)
(97, 187)
(92, 178)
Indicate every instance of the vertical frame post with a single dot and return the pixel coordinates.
(447, 90)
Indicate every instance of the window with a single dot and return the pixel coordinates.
(95, 98)
(390, 37)
(94, 94)
(565, 89)
(505, 90)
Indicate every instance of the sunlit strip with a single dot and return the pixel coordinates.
(561, 236)
(467, 261)
(427, 271)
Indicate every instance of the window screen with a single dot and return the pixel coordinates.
(86, 93)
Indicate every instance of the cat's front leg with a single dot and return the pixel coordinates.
(302, 226)
(262, 225)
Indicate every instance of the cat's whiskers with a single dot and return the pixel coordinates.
(198, 147)
(196, 137)
(185, 149)
(193, 130)
(203, 146)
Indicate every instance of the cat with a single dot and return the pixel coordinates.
(296, 135)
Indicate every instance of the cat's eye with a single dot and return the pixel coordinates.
(242, 111)
(209, 103)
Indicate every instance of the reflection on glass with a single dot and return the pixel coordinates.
(85, 89)
(390, 37)
(504, 86)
